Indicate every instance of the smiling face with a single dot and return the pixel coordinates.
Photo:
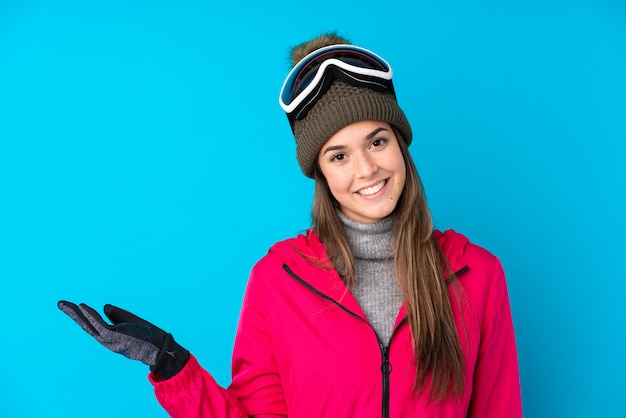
(364, 169)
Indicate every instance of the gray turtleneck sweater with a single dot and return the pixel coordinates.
(375, 287)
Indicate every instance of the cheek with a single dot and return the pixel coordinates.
(335, 186)
(401, 170)
(337, 183)
(401, 184)
(402, 176)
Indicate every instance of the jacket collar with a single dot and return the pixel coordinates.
(302, 257)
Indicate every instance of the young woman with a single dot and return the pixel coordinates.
(372, 312)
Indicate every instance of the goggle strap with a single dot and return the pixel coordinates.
(333, 74)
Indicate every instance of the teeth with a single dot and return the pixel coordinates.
(371, 190)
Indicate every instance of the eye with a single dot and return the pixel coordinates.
(378, 142)
(338, 157)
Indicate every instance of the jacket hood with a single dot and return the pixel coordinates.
(453, 246)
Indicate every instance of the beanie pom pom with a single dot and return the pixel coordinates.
(300, 51)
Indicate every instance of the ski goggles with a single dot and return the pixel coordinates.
(312, 76)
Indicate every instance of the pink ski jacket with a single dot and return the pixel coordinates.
(304, 347)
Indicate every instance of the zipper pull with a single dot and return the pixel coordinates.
(386, 366)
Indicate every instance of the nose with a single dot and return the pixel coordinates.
(365, 166)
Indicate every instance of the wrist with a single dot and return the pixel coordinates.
(170, 360)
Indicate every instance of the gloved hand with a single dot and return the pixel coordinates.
(131, 336)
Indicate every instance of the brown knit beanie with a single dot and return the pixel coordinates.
(340, 106)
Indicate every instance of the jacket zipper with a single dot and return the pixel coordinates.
(386, 366)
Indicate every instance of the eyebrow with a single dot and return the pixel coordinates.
(368, 137)
(374, 133)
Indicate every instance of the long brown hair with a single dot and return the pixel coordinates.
(419, 269)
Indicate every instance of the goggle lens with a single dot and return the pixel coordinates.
(354, 58)
(308, 74)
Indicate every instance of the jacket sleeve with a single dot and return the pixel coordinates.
(256, 380)
(496, 383)
(256, 388)
(194, 393)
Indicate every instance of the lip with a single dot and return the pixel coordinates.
(374, 195)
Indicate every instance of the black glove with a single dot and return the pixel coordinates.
(131, 336)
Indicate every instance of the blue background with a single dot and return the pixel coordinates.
(145, 162)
